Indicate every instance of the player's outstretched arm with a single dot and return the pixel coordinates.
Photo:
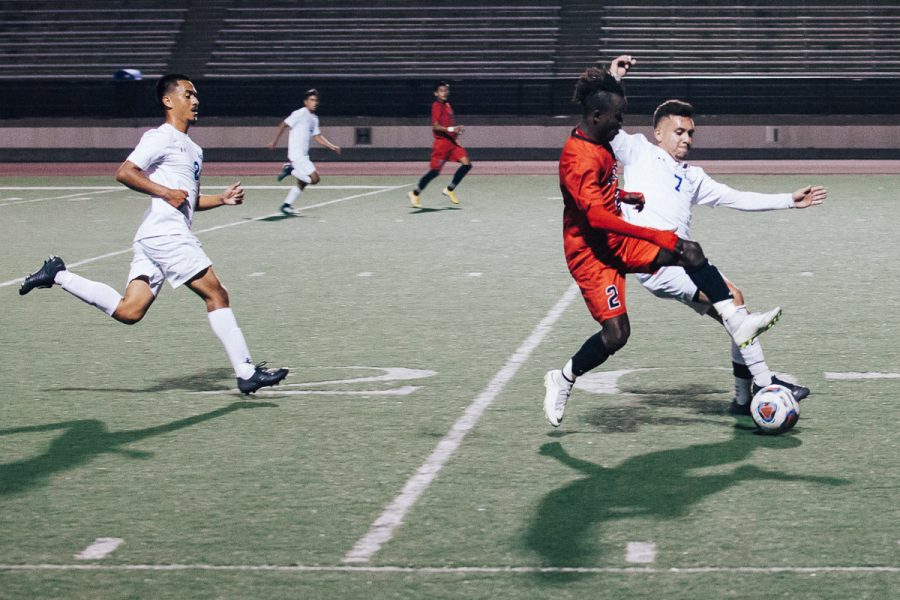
(281, 127)
(233, 194)
(130, 175)
(321, 139)
(811, 195)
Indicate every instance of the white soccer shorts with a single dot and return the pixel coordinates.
(674, 283)
(303, 167)
(173, 258)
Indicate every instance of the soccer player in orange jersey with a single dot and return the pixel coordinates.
(445, 147)
(601, 247)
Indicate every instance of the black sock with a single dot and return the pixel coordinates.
(426, 179)
(593, 353)
(709, 281)
(458, 176)
(742, 371)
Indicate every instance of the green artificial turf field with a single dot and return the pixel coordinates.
(406, 455)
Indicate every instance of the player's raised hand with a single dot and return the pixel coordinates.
(636, 199)
(337, 149)
(619, 66)
(811, 195)
(176, 197)
(234, 194)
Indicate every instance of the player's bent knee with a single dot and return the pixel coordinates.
(692, 253)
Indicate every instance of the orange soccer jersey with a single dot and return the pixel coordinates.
(600, 246)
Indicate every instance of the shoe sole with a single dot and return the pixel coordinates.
(762, 330)
(452, 201)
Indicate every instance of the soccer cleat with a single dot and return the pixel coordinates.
(739, 409)
(261, 377)
(557, 395)
(798, 391)
(287, 209)
(744, 328)
(43, 277)
(450, 194)
(286, 169)
(413, 199)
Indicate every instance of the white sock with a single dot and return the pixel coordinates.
(567, 372)
(292, 196)
(93, 292)
(225, 326)
(725, 308)
(752, 356)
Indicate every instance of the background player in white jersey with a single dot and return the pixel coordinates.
(166, 165)
(671, 188)
(304, 125)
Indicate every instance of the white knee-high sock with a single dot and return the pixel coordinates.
(752, 356)
(93, 292)
(292, 195)
(225, 326)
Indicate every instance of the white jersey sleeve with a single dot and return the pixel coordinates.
(627, 146)
(709, 192)
(150, 150)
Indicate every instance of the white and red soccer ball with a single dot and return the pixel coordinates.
(774, 409)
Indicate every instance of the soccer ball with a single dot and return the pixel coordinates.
(774, 409)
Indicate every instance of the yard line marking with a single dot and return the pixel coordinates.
(205, 187)
(234, 224)
(382, 529)
(101, 548)
(67, 196)
(640, 552)
(446, 570)
(852, 375)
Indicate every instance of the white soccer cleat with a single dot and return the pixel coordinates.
(746, 327)
(558, 390)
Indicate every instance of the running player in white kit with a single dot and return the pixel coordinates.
(166, 165)
(671, 188)
(304, 125)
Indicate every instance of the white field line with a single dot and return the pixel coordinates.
(211, 187)
(382, 529)
(100, 548)
(449, 570)
(855, 376)
(640, 552)
(92, 193)
(234, 224)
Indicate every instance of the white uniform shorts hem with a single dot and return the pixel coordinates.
(173, 258)
(674, 283)
(302, 167)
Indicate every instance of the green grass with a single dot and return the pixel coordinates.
(103, 432)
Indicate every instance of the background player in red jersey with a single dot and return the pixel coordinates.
(445, 146)
(601, 247)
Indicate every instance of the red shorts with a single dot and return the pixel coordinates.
(444, 150)
(601, 274)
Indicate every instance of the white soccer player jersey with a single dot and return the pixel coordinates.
(672, 188)
(170, 158)
(304, 126)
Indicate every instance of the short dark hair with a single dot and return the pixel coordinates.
(441, 83)
(167, 83)
(672, 108)
(595, 89)
(310, 92)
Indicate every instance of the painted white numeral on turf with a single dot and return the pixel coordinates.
(604, 382)
(101, 548)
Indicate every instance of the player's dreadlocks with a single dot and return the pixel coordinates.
(595, 87)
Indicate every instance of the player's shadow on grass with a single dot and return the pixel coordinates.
(567, 529)
(425, 209)
(83, 440)
(280, 218)
(640, 410)
(209, 379)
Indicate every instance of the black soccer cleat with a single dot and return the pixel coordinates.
(43, 277)
(261, 377)
(798, 391)
(739, 410)
(286, 170)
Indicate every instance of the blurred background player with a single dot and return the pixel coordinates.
(304, 125)
(671, 188)
(445, 146)
(166, 165)
(600, 246)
